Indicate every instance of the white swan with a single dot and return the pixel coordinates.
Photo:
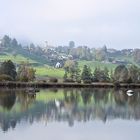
(130, 92)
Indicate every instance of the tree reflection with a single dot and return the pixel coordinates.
(7, 99)
(120, 97)
(73, 105)
(25, 100)
(86, 95)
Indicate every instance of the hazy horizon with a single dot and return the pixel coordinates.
(92, 22)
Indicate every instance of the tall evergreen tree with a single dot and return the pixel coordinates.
(8, 68)
(86, 74)
(101, 75)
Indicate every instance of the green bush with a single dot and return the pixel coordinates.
(4, 77)
(68, 80)
(116, 84)
(88, 81)
(53, 80)
(78, 81)
(23, 79)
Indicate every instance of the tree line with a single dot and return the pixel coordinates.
(24, 72)
(121, 74)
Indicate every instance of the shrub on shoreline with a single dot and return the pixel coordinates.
(68, 80)
(53, 80)
(4, 77)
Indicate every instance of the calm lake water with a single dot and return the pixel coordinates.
(70, 114)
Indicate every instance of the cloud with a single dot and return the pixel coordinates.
(91, 22)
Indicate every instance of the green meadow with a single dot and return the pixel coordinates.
(16, 59)
(96, 64)
(49, 71)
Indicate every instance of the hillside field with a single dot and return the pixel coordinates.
(59, 73)
(16, 59)
(45, 70)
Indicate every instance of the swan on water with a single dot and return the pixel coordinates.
(130, 92)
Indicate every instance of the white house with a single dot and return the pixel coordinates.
(58, 65)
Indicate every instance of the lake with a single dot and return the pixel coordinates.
(69, 114)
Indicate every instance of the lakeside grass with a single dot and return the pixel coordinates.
(49, 71)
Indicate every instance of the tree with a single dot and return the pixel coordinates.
(25, 72)
(101, 75)
(104, 49)
(71, 44)
(111, 75)
(8, 68)
(14, 43)
(31, 73)
(81, 52)
(69, 64)
(69, 67)
(101, 54)
(72, 70)
(121, 74)
(77, 73)
(96, 74)
(65, 75)
(136, 55)
(106, 74)
(86, 74)
(32, 47)
(6, 41)
(134, 74)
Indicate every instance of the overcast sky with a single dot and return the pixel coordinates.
(115, 23)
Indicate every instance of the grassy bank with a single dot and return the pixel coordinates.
(49, 71)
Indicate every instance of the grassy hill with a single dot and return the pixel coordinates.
(16, 59)
(94, 64)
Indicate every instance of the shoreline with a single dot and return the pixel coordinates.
(66, 85)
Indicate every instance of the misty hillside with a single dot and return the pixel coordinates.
(50, 55)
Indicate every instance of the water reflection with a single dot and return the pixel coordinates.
(7, 99)
(67, 105)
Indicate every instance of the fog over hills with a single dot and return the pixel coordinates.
(91, 22)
